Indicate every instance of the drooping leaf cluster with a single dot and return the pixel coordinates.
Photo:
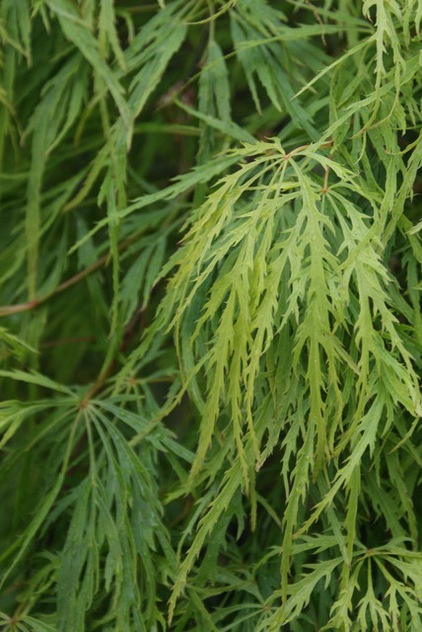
(211, 337)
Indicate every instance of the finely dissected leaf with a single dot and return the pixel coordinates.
(78, 33)
(211, 336)
(108, 36)
(63, 99)
(302, 591)
(184, 183)
(36, 378)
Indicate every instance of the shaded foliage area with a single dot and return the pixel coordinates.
(211, 335)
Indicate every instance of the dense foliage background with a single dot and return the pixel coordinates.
(211, 334)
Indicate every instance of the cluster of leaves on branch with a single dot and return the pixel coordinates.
(211, 328)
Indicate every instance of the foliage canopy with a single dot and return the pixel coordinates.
(211, 336)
